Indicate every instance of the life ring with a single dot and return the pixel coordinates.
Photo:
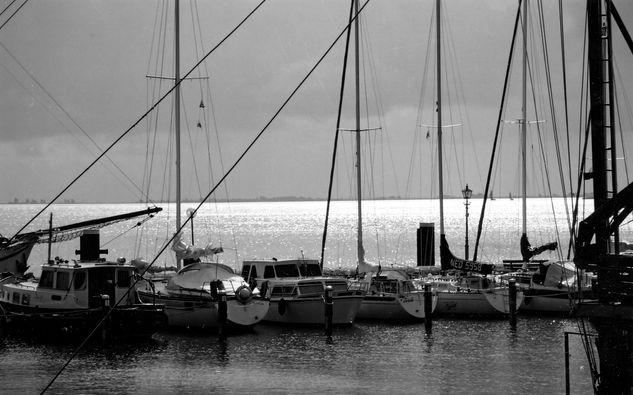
(243, 294)
(281, 306)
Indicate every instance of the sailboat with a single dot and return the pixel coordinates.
(192, 295)
(551, 286)
(470, 293)
(389, 292)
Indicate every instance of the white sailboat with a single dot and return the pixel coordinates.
(390, 293)
(471, 294)
(554, 286)
(192, 295)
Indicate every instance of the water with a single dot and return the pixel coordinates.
(460, 356)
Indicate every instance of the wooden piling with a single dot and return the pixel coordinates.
(222, 314)
(329, 310)
(512, 290)
(428, 308)
(105, 328)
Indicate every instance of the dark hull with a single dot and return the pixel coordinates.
(137, 322)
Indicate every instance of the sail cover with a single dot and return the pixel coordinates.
(186, 251)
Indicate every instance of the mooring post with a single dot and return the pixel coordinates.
(428, 308)
(512, 290)
(105, 328)
(329, 310)
(567, 389)
(222, 314)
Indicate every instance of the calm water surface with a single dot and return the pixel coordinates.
(460, 357)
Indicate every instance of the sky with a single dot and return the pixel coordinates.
(73, 74)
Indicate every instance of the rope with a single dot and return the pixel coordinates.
(12, 15)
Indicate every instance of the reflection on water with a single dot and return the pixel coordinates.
(460, 356)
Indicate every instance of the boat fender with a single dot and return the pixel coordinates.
(281, 306)
(243, 294)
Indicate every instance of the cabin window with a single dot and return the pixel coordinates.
(283, 291)
(1, 293)
(46, 280)
(16, 298)
(245, 270)
(123, 279)
(26, 299)
(269, 272)
(309, 269)
(287, 270)
(311, 288)
(80, 280)
(63, 280)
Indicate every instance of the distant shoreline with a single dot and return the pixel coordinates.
(275, 199)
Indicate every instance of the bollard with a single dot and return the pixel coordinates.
(428, 308)
(105, 328)
(512, 289)
(329, 310)
(222, 314)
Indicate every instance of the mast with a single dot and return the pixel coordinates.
(439, 120)
(177, 114)
(361, 250)
(524, 123)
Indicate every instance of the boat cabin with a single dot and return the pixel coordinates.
(291, 278)
(73, 286)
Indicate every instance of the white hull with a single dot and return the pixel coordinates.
(394, 307)
(203, 314)
(476, 302)
(311, 311)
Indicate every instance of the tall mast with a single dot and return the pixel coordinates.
(439, 119)
(361, 250)
(524, 122)
(177, 113)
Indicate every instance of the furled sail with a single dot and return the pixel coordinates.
(186, 251)
(527, 251)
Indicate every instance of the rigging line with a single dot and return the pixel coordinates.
(7, 7)
(494, 144)
(620, 126)
(142, 117)
(237, 161)
(581, 171)
(58, 104)
(12, 15)
(554, 130)
(565, 97)
(351, 19)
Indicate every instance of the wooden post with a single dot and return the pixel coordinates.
(428, 308)
(105, 328)
(512, 290)
(222, 314)
(567, 389)
(329, 310)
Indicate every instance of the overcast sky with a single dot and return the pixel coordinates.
(92, 58)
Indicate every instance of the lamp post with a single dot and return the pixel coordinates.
(467, 193)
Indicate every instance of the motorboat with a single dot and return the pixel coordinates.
(73, 300)
(296, 289)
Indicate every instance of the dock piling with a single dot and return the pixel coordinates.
(329, 310)
(222, 314)
(512, 290)
(428, 308)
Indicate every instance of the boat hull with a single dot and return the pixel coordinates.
(311, 311)
(202, 313)
(394, 307)
(475, 302)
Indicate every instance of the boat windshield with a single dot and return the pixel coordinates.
(310, 269)
(287, 270)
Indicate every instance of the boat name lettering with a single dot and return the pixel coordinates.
(466, 265)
